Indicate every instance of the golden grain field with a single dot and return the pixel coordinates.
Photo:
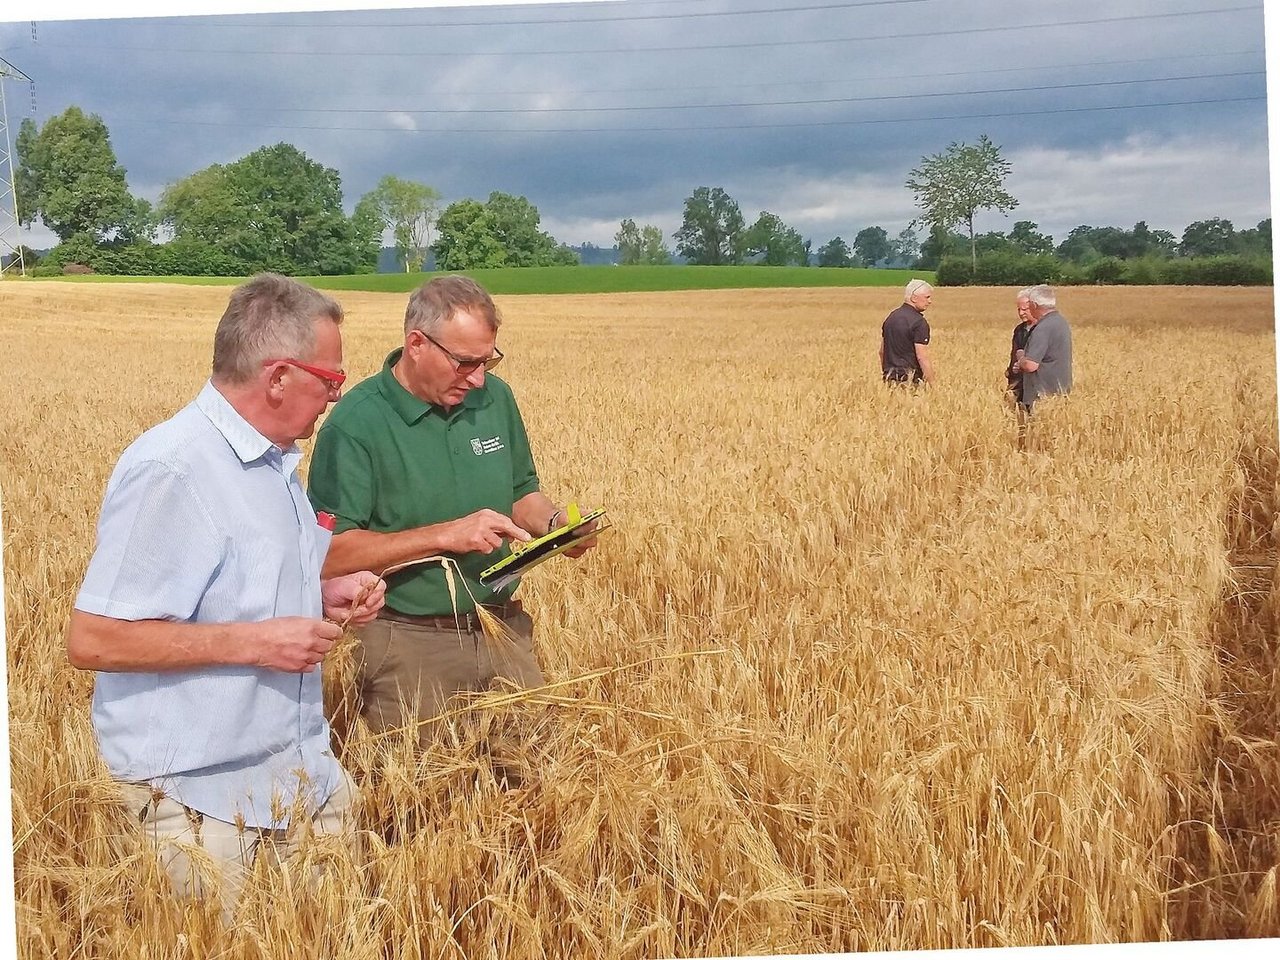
(852, 672)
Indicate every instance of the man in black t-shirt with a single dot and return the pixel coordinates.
(904, 338)
(1021, 334)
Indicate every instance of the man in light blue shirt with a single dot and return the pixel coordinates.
(202, 609)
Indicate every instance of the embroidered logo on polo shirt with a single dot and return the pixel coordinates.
(481, 447)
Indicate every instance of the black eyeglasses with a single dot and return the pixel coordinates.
(463, 366)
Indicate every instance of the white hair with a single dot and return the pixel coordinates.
(914, 287)
(1041, 295)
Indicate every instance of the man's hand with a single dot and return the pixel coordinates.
(293, 644)
(578, 549)
(483, 532)
(354, 598)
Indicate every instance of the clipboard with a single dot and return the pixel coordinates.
(525, 556)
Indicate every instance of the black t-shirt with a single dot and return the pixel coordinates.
(1021, 334)
(902, 330)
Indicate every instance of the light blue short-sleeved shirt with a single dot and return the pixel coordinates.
(205, 521)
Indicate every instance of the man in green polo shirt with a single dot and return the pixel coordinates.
(426, 458)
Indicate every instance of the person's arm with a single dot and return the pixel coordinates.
(926, 365)
(1037, 349)
(881, 354)
(292, 644)
(481, 532)
(538, 512)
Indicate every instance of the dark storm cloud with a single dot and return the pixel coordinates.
(814, 114)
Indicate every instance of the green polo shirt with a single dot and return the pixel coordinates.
(386, 461)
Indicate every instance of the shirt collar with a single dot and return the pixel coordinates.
(247, 443)
(412, 409)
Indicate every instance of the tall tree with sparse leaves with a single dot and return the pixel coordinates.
(952, 186)
(640, 245)
(410, 209)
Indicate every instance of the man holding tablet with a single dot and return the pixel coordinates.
(429, 458)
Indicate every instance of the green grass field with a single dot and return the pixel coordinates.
(581, 279)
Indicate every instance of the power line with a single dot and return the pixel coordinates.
(524, 131)
(828, 81)
(760, 103)
(808, 41)
(504, 22)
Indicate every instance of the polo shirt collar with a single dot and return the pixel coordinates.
(412, 409)
(243, 438)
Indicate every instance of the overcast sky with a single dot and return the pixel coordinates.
(1111, 111)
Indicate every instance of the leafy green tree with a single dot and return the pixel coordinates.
(274, 209)
(1208, 238)
(1027, 238)
(638, 245)
(952, 186)
(1148, 242)
(516, 222)
(872, 245)
(941, 243)
(68, 176)
(777, 244)
(993, 241)
(906, 246)
(712, 230)
(410, 209)
(835, 253)
(1078, 246)
(1255, 241)
(503, 231)
(467, 238)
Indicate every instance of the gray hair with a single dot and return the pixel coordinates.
(267, 317)
(436, 301)
(1041, 295)
(914, 287)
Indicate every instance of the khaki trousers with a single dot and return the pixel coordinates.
(203, 856)
(406, 673)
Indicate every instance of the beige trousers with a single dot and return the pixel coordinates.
(203, 856)
(406, 673)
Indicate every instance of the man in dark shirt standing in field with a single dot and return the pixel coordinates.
(904, 338)
(1021, 333)
(1046, 365)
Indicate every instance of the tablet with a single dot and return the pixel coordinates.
(526, 556)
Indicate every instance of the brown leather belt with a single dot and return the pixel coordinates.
(466, 622)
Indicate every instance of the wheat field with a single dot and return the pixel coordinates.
(852, 671)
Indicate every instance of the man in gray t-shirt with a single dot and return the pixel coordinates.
(1046, 365)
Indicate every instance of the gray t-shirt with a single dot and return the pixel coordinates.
(1049, 346)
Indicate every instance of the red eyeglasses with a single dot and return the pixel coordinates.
(334, 378)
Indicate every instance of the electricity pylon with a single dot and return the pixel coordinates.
(11, 253)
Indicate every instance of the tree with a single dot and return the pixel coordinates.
(638, 245)
(410, 209)
(68, 176)
(834, 253)
(1027, 238)
(1208, 238)
(274, 209)
(940, 243)
(516, 222)
(712, 230)
(777, 244)
(1256, 241)
(952, 186)
(467, 238)
(906, 247)
(872, 245)
(501, 232)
